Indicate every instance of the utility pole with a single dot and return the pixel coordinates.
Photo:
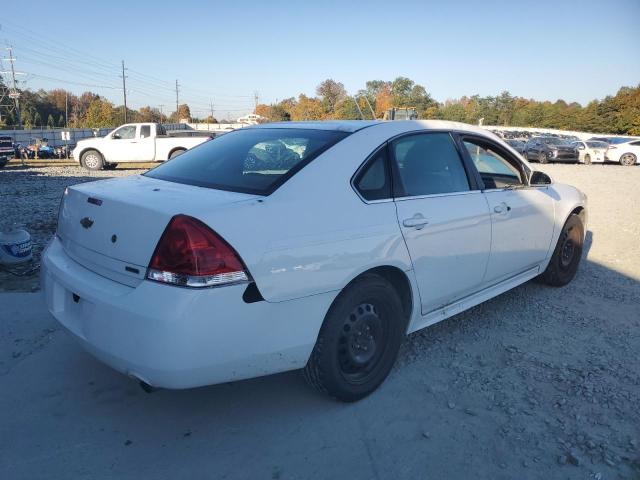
(256, 97)
(177, 91)
(211, 105)
(66, 109)
(124, 92)
(160, 107)
(14, 93)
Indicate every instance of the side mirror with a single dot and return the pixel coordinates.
(540, 178)
(115, 136)
(580, 147)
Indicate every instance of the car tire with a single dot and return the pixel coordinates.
(542, 158)
(359, 340)
(176, 153)
(92, 160)
(587, 159)
(628, 159)
(567, 254)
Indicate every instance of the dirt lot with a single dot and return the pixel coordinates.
(537, 383)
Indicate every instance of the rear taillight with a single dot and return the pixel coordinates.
(190, 254)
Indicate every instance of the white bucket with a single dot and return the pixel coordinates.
(15, 246)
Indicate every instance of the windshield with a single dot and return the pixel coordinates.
(252, 160)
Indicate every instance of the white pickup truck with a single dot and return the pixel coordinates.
(133, 142)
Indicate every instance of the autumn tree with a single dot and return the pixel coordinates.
(307, 108)
(331, 93)
(100, 113)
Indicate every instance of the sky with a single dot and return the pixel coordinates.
(225, 52)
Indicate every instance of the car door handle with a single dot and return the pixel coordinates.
(417, 221)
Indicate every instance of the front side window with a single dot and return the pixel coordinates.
(496, 171)
(127, 132)
(428, 164)
(373, 181)
(253, 160)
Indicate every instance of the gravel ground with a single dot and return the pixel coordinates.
(30, 197)
(536, 383)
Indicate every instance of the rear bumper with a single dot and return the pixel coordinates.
(175, 337)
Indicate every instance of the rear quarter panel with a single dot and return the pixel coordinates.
(315, 234)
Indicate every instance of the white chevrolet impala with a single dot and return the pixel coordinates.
(303, 245)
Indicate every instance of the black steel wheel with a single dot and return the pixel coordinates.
(567, 254)
(359, 340)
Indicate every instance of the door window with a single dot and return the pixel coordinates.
(496, 171)
(428, 164)
(127, 132)
(145, 131)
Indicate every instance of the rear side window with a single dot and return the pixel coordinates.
(145, 131)
(252, 160)
(373, 181)
(428, 164)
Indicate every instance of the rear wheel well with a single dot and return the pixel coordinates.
(176, 149)
(399, 281)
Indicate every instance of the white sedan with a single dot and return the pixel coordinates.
(626, 154)
(303, 245)
(591, 151)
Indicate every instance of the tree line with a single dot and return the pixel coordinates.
(615, 114)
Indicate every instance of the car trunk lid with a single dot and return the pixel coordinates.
(112, 227)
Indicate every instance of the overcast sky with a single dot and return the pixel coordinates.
(225, 51)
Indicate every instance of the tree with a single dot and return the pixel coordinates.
(100, 113)
(330, 93)
(307, 108)
(50, 122)
(183, 113)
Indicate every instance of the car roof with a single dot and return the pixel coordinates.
(352, 126)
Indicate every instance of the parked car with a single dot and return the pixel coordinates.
(591, 151)
(133, 142)
(614, 140)
(550, 149)
(517, 145)
(210, 268)
(6, 150)
(626, 154)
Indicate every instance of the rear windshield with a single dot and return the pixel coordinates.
(252, 160)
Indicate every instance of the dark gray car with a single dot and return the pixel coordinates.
(550, 149)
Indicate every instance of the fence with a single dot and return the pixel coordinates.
(53, 135)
